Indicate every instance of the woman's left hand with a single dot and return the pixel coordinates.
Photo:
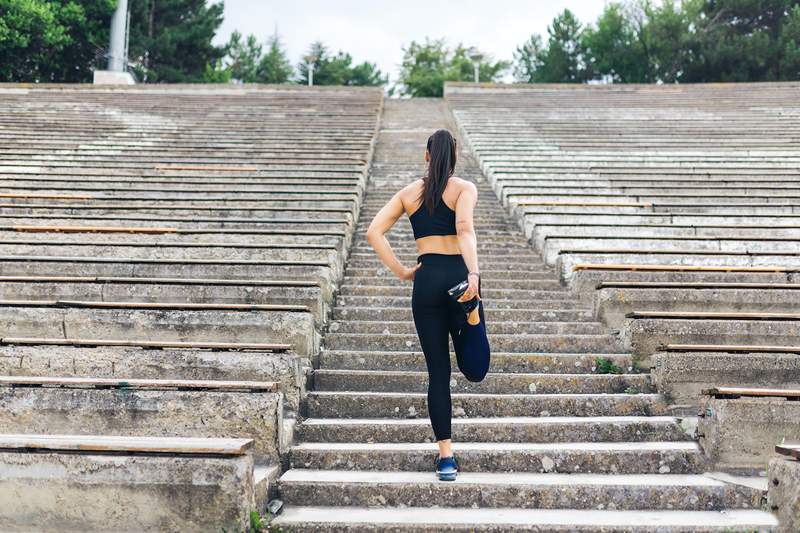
(472, 290)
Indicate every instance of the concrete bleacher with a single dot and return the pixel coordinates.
(672, 210)
(169, 256)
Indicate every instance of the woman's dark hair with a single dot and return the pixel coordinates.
(442, 148)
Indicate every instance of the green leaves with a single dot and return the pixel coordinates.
(338, 69)
(426, 66)
(669, 41)
(52, 40)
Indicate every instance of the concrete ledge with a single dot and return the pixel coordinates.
(682, 376)
(783, 495)
(120, 410)
(741, 433)
(611, 304)
(288, 369)
(60, 489)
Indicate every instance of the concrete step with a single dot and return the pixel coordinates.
(414, 404)
(501, 429)
(493, 383)
(560, 363)
(395, 327)
(499, 342)
(360, 519)
(402, 314)
(559, 299)
(519, 490)
(567, 457)
(384, 277)
(547, 290)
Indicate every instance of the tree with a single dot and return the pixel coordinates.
(789, 67)
(337, 69)
(614, 48)
(52, 40)
(528, 59)
(742, 40)
(426, 66)
(170, 40)
(244, 57)
(561, 61)
(274, 66)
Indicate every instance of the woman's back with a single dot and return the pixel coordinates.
(434, 232)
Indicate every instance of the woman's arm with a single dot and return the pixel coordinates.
(467, 241)
(376, 236)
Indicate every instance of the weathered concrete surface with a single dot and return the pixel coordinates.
(95, 492)
(171, 413)
(613, 303)
(435, 520)
(167, 291)
(288, 369)
(584, 282)
(681, 377)
(783, 494)
(743, 432)
(646, 336)
(185, 325)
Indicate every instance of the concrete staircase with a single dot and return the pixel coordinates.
(545, 442)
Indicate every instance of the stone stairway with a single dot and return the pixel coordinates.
(545, 442)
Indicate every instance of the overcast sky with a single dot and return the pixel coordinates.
(376, 30)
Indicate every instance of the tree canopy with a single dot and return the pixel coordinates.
(338, 69)
(53, 40)
(426, 66)
(669, 41)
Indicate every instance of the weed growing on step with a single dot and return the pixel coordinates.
(259, 524)
(631, 390)
(605, 366)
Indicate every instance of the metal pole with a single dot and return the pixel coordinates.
(477, 72)
(116, 48)
(310, 68)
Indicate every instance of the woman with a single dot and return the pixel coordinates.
(440, 209)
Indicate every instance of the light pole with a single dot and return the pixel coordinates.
(118, 46)
(476, 58)
(310, 68)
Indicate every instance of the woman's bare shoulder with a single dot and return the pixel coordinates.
(464, 185)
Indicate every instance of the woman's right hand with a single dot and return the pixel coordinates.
(408, 273)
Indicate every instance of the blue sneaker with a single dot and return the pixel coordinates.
(446, 468)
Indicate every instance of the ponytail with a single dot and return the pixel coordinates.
(442, 149)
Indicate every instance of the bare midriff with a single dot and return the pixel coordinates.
(438, 244)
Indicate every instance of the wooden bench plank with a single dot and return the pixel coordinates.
(178, 306)
(214, 346)
(206, 167)
(791, 450)
(745, 348)
(694, 285)
(92, 229)
(711, 315)
(676, 268)
(756, 393)
(145, 384)
(165, 281)
(103, 443)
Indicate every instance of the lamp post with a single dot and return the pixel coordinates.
(310, 68)
(118, 45)
(476, 58)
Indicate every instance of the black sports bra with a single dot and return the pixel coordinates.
(441, 222)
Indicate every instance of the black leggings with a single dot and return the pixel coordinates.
(435, 316)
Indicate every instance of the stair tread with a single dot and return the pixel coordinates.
(512, 516)
(496, 420)
(503, 446)
(487, 394)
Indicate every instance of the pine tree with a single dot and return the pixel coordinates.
(170, 40)
(274, 66)
(244, 57)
